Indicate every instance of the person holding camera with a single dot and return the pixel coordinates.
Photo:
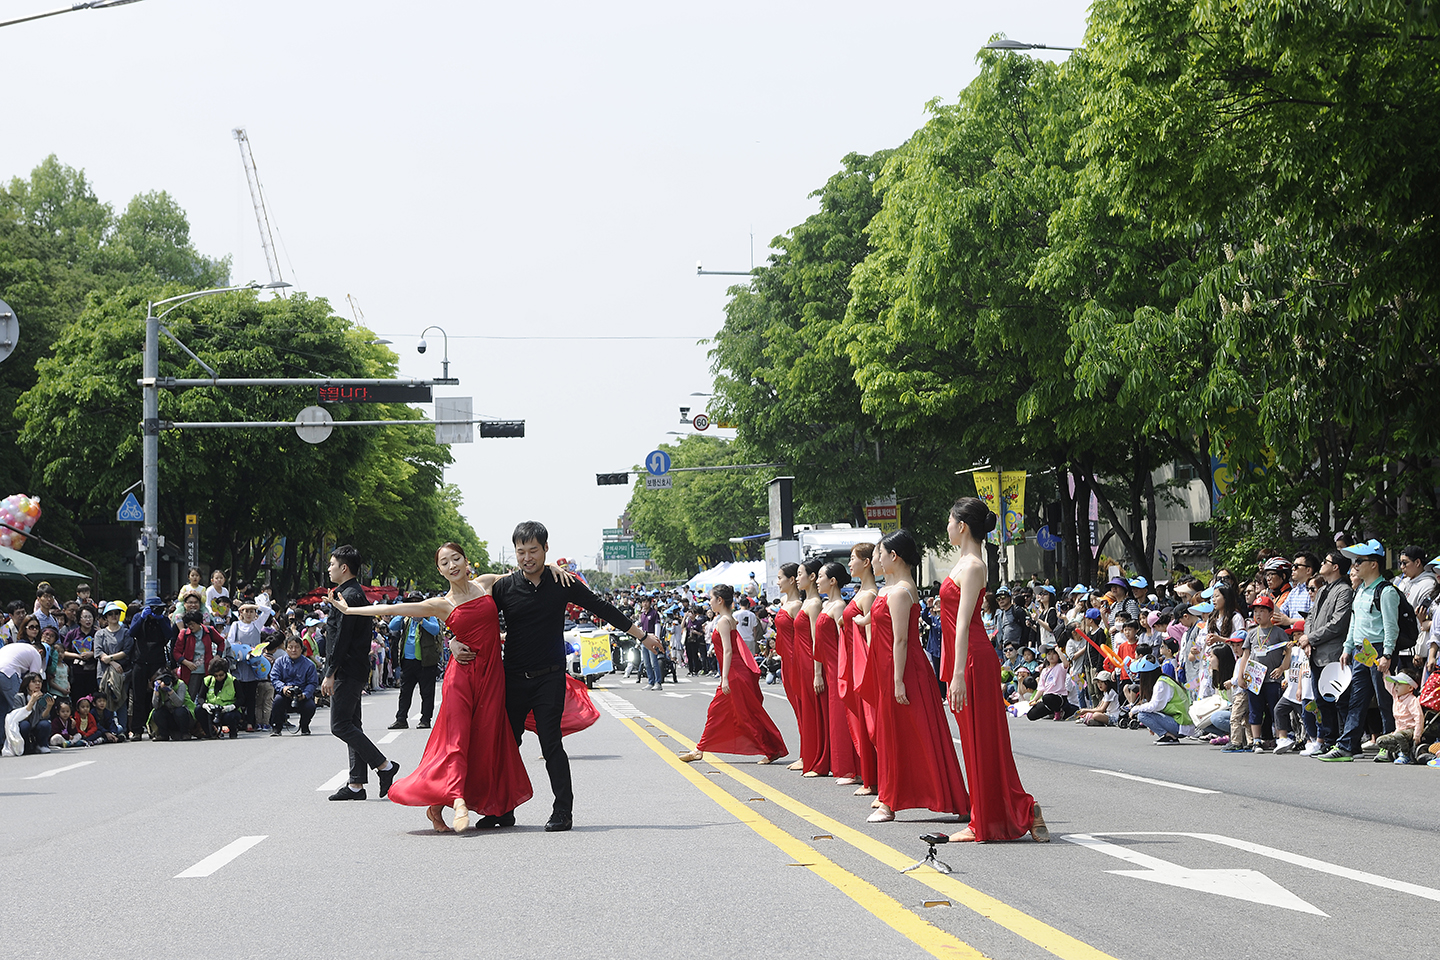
(294, 678)
(218, 712)
(170, 707)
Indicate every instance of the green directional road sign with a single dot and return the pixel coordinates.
(618, 550)
(614, 532)
(641, 552)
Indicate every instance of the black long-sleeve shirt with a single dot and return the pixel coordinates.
(347, 637)
(535, 618)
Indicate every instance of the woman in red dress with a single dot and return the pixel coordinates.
(1000, 809)
(809, 677)
(843, 762)
(785, 638)
(917, 762)
(471, 758)
(736, 721)
(854, 651)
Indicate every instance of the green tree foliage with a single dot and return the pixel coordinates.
(694, 521)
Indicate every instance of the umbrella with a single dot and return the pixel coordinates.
(15, 565)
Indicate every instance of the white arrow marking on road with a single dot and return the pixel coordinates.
(334, 781)
(1310, 863)
(51, 773)
(220, 857)
(1248, 885)
(1158, 783)
(678, 696)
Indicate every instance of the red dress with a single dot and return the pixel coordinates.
(580, 711)
(843, 762)
(471, 752)
(918, 766)
(859, 711)
(814, 732)
(737, 722)
(1000, 809)
(785, 648)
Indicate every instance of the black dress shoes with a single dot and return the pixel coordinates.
(503, 820)
(387, 777)
(345, 793)
(399, 725)
(558, 823)
(423, 725)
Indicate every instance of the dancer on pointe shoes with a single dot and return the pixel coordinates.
(1000, 809)
(736, 721)
(809, 676)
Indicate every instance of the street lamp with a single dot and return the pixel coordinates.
(150, 425)
(92, 5)
(1021, 45)
(445, 360)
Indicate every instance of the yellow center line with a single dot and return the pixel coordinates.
(922, 933)
(1016, 921)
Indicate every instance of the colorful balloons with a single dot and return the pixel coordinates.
(19, 510)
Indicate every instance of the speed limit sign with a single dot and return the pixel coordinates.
(701, 422)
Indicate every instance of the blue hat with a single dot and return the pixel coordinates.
(1364, 551)
(1079, 590)
(1207, 593)
(1047, 588)
(1001, 589)
(1118, 582)
(1140, 583)
(1203, 608)
(1092, 613)
(1143, 665)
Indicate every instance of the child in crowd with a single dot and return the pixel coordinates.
(85, 724)
(1266, 647)
(107, 725)
(1290, 710)
(1239, 699)
(1107, 712)
(63, 732)
(1127, 709)
(1399, 747)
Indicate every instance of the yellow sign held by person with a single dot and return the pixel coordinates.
(595, 654)
(1004, 494)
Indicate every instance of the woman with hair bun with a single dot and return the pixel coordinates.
(736, 721)
(1000, 809)
(843, 762)
(785, 637)
(917, 762)
(809, 677)
(857, 695)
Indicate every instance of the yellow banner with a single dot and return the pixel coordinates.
(987, 488)
(1012, 491)
(595, 654)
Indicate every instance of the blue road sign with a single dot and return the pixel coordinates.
(657, 463)
(1046, 539)
(130, 511)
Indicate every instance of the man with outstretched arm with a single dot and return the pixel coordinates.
(347, 665)
(533, 603)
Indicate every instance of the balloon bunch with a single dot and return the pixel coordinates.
(20, 511)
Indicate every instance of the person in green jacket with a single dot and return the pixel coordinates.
(218, 713)
(1164, 705)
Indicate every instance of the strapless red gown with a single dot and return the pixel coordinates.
(580, 711)
(918, 766)
(785, 649)
(843, 762)
(471, 752)
(1000, 809)
(814, 743)
(859, 712)
(737, 722)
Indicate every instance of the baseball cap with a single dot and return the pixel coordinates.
(1105, 675)
(1239, 636)
(1139, 583)
(1264, 600)
(1092, 614)
(1143, 665)
(1369, 550)
(1001, 589)
(1152, 617)
(1080, 589)
(1296, 626)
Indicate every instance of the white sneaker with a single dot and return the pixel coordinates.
(1311, 749)
(1258, 748)
(1368, 745)
(42, 749)
(1284, 745)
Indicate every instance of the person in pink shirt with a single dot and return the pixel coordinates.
(1052, 684)
(1399, 747)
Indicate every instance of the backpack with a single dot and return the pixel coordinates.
(1409, 624)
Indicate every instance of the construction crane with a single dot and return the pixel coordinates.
(257, 196)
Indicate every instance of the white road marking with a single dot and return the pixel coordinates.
(1310, 863)
(51, 773)
(1158, 783)
(617, 706)
(1251, 886)
(390, 737)
(335, 781)
(678, 696)
(220, 857)
(777, 696)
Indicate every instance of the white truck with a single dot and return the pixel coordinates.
(831, 542)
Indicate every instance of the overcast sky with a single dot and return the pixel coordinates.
(538, 179)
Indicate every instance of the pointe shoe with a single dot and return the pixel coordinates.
(433, 813)
(1038, 830)
(691, 757)
(462, 815)
(797, 765)
(882, 815)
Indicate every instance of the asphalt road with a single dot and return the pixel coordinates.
(1274, 857)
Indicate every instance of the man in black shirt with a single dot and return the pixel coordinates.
(533, 604)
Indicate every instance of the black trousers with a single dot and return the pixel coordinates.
(545, 697)
(693, 661)
(282, 705)
(1049, 705)
(142, 689)
(412, 673)
(172, 722)
(245, 700)
(345, 724)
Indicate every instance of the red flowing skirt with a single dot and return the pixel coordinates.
(736, 721)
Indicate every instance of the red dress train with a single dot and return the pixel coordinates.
(814, 745)
(859, 711)
(737, 722)
(1000, 809)
(917, 763)
(843, 762)
(471, 752)
(580, 711)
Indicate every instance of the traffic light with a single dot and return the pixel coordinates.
(608, 479)
(502, 428)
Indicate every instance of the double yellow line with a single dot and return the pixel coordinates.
(924, 934)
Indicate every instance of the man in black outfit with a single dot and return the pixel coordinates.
(533, 603)
(347, 666)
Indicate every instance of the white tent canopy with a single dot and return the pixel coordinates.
(735, 574)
